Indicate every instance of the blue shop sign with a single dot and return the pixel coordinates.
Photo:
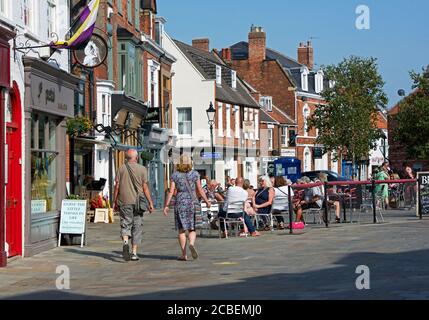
(210, 155)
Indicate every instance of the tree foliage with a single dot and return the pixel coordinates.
(412, 120)
(347, 122)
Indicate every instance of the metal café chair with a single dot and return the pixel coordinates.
(234, 217)
(208, 216)
(281, 204)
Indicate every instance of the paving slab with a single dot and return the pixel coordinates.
(318, 263)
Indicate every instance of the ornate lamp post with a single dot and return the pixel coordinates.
(211, 113)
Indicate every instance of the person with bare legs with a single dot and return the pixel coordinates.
(187, 182)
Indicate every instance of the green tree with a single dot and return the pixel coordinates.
(412, 120)
(347, 121)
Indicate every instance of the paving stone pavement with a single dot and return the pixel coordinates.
(318, 263)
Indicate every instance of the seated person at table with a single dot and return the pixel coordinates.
(323, 177)
(237, 194)
(312, 199)
(212, 191)
(281, 190)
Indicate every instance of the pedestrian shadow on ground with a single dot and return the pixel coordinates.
(392, 276)
(115, 256)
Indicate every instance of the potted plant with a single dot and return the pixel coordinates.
(78, 126)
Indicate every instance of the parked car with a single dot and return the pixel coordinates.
(332, 176)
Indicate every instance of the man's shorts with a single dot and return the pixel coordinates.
(131, 224)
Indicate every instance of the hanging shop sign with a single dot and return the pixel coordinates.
(93, 54)
(153, 116)
(47, 95)
(73, 218)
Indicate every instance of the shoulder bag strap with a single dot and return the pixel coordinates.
(133, 178)
(282, 191)
(188, 186)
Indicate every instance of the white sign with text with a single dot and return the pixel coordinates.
(73, 218)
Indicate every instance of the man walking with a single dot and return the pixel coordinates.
(130, 176)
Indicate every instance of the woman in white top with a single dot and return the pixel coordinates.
(281, 190)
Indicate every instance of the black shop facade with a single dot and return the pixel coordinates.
(49, 102)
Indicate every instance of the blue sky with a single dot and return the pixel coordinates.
(398, 34)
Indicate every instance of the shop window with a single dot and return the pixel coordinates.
(43, 164)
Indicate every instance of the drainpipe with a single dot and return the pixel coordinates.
(3, 256)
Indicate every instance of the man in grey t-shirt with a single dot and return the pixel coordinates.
(126, 197)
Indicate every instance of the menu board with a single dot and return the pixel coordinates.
(423, 191)
(73, 217)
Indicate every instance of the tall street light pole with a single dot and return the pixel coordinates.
(211, 113)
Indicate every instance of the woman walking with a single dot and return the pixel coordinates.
(186, 181)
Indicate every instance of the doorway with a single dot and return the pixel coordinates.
(13, 173)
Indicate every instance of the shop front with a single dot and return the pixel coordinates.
(5, 223)
(152, 157)
(49, 101)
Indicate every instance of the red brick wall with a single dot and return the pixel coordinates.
(269, 78)
(257, 45)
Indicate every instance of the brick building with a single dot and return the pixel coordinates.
(293, 86)
(130, 92)
(397, 153)
(202, 77)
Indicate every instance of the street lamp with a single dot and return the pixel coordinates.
(211, 113)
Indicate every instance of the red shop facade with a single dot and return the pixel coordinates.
(5, 88)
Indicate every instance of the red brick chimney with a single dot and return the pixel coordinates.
(226, 54)
(306, 54)
(202, 44)
(257, 44)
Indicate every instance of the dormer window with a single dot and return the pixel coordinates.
(233, 79)
(218, 75)
(304, 78)
(266, 103)
(318, 79)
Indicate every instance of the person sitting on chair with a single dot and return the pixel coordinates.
(281, 190)
(312, 200)
(237, 194)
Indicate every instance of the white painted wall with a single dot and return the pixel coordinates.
(101, 156)
(190, 89)
(321, 164)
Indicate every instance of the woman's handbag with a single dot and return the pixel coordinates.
(142, 204)
(198, 214)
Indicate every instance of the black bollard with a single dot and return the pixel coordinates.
(290, 210)
(326, 205)
(374, 203)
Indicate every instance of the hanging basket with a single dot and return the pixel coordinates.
(78, 126)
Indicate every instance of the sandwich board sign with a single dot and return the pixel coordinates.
(423, 193)
(73, 218)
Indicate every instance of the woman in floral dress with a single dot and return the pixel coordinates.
(186, 181)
